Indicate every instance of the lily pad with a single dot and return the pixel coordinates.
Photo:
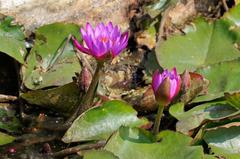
(12, 40)
(224, 140)
(93, 154)
(233, 99)
(100, 122)
(129, 143)
(233, 15)
(62, 99)
(223, 77)
(198, 48)
(210, 48)
(52, 60)
(198, 115)
(5, 139)
(8, 120)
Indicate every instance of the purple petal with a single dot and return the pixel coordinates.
(174, 72)
(173, 88)
(110, 26)
(80, 47)
(156, 80)
(86, 38)
(89, 29)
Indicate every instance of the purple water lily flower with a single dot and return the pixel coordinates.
(102, 42)
(166, 85)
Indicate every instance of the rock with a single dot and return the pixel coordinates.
(34, 13)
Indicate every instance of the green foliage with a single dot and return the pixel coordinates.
(130, 143)
(5, 139)
(93, 154)
(52, 60)
(62, 99)
(100, 122)
(224, 140)
(198, 115)
(8, 121)
(12, 40)
(201, 47)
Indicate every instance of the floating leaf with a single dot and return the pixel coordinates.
(196, 116)
(52, 61)
(8, 120)
(233, 99)
(129, 143)
(223, 77)
(224, 140)
(93, 154)
(233, 15)
(200, 47)
(12, 40)
(62, 99)
(100, 122)
(6, 139)
(211, 49)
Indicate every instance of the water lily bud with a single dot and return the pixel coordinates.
(166, 86)
(102, 42)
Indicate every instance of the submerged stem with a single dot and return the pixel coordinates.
(158, 119)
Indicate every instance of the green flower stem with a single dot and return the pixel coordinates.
(89, 96)
(158, 119)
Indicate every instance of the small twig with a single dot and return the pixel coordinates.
(7, 98)
(54, 127)
(225, 5)
(32, 139)
(78, 148)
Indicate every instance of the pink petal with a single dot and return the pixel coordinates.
(80, 47)
(156, 80)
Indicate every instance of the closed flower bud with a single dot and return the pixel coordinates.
(166, 86)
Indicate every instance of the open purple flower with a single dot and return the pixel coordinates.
(166, 85)
(102, 42)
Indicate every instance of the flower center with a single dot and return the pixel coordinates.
(104, 39)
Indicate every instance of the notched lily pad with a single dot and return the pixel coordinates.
(93, 154)
(198, 115)
(223, 77)
(8, 120)
(100, 122)
(12, 40)
(52, 60)
(62, 99)
(233, 99)
(129, 143)
(224, 140)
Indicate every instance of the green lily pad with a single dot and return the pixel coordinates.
(93, 154)
(129, 143)
(63, 99)
(210, 49)
(224, 140)
(12, 40)
(201, 47)
(8, 120)
(100, 122)
(233, 15)
(5, 139)
(52, 60)
(196, 116)
(223, 77)
(233, 99)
